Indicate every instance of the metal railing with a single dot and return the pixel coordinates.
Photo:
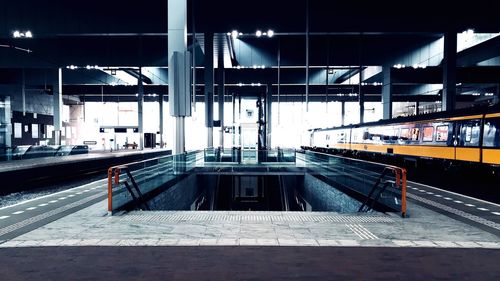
(237, 155)
(142, 177)
(378, 184)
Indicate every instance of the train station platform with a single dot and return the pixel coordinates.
(25, 174)
(443, 236)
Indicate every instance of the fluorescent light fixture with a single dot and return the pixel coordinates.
(258, 84)
(234, 34)
(88, 67)
(238, 67)
(262, 66)
(28, 34)
(254, 66)
(228, 34)
(240, 84)
(258, 33)
(270, 33)
(253, 84)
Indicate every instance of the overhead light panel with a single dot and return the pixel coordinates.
(258, 33)
(19, 34)
(270, 33)
(234, 34)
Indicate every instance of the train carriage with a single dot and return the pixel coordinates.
(462, 136)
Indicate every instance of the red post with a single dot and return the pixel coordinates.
(403, 193)
(110, 189)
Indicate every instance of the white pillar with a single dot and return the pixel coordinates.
(58, 104)
(178, 71)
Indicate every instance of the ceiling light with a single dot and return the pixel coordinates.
(240, 33)
(258, 33)
(28, 34)
(258, 84)
(416, 66)
(234, 34)
(253, 84)
(262, 66)
(270, 33)
(240, 84)
(330, 71)
(16, 34)
(254, 66)
(88, 67)
(228, 34)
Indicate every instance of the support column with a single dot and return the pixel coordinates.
(268, 113)
(221, 91)
(417, 110)
(140, 105)
(179, 68)
(161, 120)
(209, 88)
(387, 93)
(342, 112)
(449, 71)
(58, 105)
(361, 97)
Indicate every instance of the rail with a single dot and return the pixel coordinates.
(362, 177)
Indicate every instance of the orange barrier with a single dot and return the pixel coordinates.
(113, 180)
(400, 175)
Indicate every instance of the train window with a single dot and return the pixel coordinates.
(428, 132)
(415, 132)
(469, 133)
(491, 136)
(405, 134)
(442, 133)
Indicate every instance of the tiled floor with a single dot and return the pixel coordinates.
(92, 226)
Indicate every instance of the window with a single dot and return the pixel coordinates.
(415, 132)
(428, 132)
(469, 133)
(491, 136)
(405, 134)
(441, 133)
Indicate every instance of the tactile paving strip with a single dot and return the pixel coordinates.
(457, 212)
(169, 216)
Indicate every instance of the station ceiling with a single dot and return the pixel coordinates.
(121, 34)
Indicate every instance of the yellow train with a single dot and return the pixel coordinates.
(471, 135)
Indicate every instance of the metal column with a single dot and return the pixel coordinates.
(161, 120)
(179, 68)
(361, 97)
(449, 71)
(221, 91)
(268, 113)
(307, 55)
(386, 93)
(58, 104)
(140, 105)
(343, 112)
(209, 88)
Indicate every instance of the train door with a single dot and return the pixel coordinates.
(467, 137)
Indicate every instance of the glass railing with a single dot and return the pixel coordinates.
(249, 156)
(378, 184)
(146, 176)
